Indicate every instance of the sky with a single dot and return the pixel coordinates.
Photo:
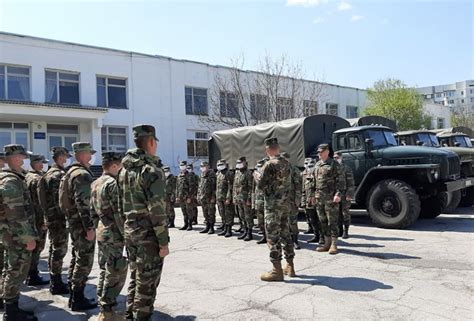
(344, 42)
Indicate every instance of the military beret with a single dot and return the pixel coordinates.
(241, 159)
(111, 157)
(183, 163)
(144, 131)
(83, 147)
(14, 149)
(273, 141)
(59, 150)
(38, 158)
(323, 147)
(285, 155)
(204, 163)
(166, 168)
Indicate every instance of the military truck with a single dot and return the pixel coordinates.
(396, 184)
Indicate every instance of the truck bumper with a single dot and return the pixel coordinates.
(459, 184)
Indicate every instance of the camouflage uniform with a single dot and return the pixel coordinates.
(345, 205)
(17, 228)
(242, 197)
(104, 209)
(307, 201)
(258, 202)
(193, 191)
(183, 194)
(2, 248)
(307, 161)
(224, 184)
(142, 184)
(170, 195)
(207, 197)
(295, 200)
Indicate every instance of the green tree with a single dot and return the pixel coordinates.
(392, 99)
(463, 117)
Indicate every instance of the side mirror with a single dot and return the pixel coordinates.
(419, 143)
(369, 144)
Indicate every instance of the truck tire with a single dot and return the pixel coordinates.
(432, 207)
(454, 198)
(393, 204)
(468, 199)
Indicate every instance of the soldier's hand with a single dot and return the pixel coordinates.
(164, 251)
(90, 235)
(31, 245)
(348, 198)
(188, 201)
(227, 202)
(336, 199)
(178, 200)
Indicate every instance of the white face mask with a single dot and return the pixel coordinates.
(239, 166)
(183, 168)
(189, 170)
(203, 169)
(339, 160)
(167, 174)
(92, 161)
(306, 165)
(220, 167)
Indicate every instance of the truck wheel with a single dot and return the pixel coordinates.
(453, 200)
(393, 204)
(468, 199)
(433, 206)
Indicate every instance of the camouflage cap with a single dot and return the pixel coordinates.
(83, 147)
(241, 159)
(285, 155)
(183, 163)
(272, 141)
(38, 158)
(111, 157)
(14, 149)
(144, 131)
(59, 150)
(189, 166)
(166, 168)
(323, 147)
(221, 162)
(204, 163)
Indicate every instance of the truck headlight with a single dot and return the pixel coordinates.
(435, 173)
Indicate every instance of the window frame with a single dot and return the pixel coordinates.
(107, 104)
(347, 111)
(107, 136)
(194, 139)
(193, 109)
(5, 75)
(226, 104)
(58, 97)
(310, 104)
(332, 104)
(12, 131)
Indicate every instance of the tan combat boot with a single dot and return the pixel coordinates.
(333, 249)
(289, 268)
(106, 316)
(274, 275)
(325, 247)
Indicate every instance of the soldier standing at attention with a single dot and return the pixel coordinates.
(295, 201)
(170, 195)
(329, 187)
(193, 189)
(344, 214)
(74, 198)
(259, 202)
(2, 248)
(304, 174)
(223, 195)
(17, 230)
(48, 194)
(32, 179)
(308, 200)
(183, 196)
(104, 209)
(242, 198)
(143, 188)
(275, 181)
(207, 196)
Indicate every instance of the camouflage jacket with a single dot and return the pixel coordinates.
(207, 187)
(16, 212)
(182, 187)
(308, 187)
(242, 189)
(329, 179)
(224, 185)
(80, 182)
(193, 185)
(171, 188)
(104, 209)
(296, 182)
(258, 199)
(142, 187)
(275, 181)
(52, 179)
(32, 179)
(349, 178)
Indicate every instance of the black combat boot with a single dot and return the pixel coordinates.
(244, 234)
(79, 302)
(223, 232)
(190, 225)
(185, 227)
(249, 235)
(295, 241)
(309, 230)
(208, 227)
(263, 240)
(345, 235)
(211, 229)
(321, 240)
(171, 224)
(229, 231)
(56, 285)
(34, 279)
(14, 313)
(221, 227)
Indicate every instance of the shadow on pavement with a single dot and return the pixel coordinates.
(370, 245)
(341, 283)
(445, 223)
(161, 316)
(378, 238)
(378, 255)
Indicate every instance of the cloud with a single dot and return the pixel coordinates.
(305, 3)
(356, 18)
(318, 20)
(344, 6)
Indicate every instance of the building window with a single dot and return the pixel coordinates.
(332, 109)
(197, 144)
(470, 91)
(62, 87)
(462, 101)
(62, 135)
(472, 99)
(114, 139)
(112, 92)
(284, 108)
(259, 107)
(14, 133)
(440, 123)
(229, 104)
(462, 92)
(429, 96)
(310, 107)
(14, 82)
(438, 95)
(352, 112)
(451, 102)
(196, 101)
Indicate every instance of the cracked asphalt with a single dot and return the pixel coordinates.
(426, 272)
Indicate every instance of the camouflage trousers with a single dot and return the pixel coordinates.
(82, 256)
(113, 272)
(344, 207)
(2, 271)
(58, 241)
(328, 214)
(278, 234)
(16, 266)
(209, 211)
(226, 211)
(35, 255)
(188, 211)
(169, 208)
(312, 218)
(146, 266)
(260, 213)
(245, 214)
(293, 221)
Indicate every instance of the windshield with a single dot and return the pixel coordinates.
(462, 140)
(429, 140)
(382, 138)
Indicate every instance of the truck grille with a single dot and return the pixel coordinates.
(454, 167)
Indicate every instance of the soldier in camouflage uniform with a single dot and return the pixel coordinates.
(77, 181)
(183, 196)
(295, 201)
(329, 185)
(2, 249)
(170, 195)
(344, 214)
(242, 197)
(193, 190)
(143, 187)
(307, 161)
(17, 229)
(308, 202)
(258, 202)
(207, 196)
(48, 192)
(224, 184)
(104, 209)
(275, 181)
(32, 179)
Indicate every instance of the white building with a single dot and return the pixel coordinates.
(457, 96)
(440, 115)
(56, 93)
